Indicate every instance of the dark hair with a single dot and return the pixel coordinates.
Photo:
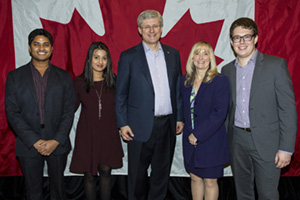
(108, 75)
(246, 23)
(37, 32)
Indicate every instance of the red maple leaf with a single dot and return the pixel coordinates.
(71, 41)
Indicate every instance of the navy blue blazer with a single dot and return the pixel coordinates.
(23, 114)
(135, 92)
(210, 110)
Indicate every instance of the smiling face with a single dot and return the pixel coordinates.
(201, 59)
(150, 31)
(40, 49)
(99, 61)
(244, 50)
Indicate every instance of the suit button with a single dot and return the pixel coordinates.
(195, 115)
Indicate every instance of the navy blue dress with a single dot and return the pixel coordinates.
(205, 118)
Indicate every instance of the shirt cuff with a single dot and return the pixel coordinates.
(287, 152)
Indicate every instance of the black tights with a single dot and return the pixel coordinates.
(105, 184)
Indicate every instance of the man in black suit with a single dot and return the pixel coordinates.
(39, 103)
(149, 108)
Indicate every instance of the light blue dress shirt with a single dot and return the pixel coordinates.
(160, 81)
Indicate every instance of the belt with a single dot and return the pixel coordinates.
(161, 116)
(244, 129)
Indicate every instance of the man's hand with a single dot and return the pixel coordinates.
(192, 139)
(179, 127)
(39, 145)
(126, 133)
(48, 147)
(282, 159)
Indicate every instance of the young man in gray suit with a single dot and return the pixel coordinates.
(149, 108)
(39, 104)
(262, 118)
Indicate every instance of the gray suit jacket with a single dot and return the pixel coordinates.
(23, 114)
(272, 108)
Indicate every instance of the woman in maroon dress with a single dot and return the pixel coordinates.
(97, 144)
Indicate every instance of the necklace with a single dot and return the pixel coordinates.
(99, 99)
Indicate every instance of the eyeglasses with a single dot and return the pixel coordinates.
(148, 28)
(246, 38)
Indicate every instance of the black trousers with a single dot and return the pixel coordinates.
(158, 152)
(33, 168)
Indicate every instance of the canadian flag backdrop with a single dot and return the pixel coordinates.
(75, 24)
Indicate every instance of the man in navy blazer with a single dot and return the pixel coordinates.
(149, 108)
(39, 103)
(262, 118)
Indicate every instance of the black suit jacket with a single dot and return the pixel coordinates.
(23, 114)
(135, 92)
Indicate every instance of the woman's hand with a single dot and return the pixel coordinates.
(192, 139)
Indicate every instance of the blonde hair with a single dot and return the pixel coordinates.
(191, 69)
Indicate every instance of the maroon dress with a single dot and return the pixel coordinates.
(97, 141)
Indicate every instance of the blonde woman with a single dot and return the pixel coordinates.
(205, 96)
